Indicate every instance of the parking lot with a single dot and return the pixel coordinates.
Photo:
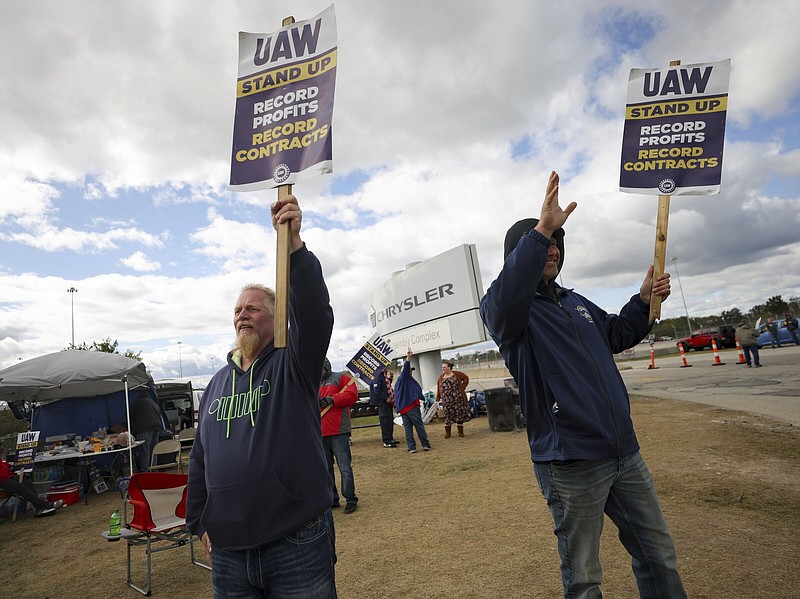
(773, 390)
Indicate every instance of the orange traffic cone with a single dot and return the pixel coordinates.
(683, 357)
(717, 361)
(741, 352)
(652, 358)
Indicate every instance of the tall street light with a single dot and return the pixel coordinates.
(688, 322)
(72, 291)
(180, 359)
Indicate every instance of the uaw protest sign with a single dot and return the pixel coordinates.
(284, 104)
(371, 360)
(675, 129)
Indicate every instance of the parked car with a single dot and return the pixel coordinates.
(725, 336)
(764, 339)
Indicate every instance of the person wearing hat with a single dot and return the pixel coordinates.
(748, 339)
(560, 347)
(337, 394)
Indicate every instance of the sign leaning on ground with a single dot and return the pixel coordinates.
(284, 104)
(432, 304)
(674, 129)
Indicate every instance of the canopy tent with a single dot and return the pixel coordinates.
(73, 374)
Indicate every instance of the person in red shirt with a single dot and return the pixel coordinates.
(337, 394)
(11, 484)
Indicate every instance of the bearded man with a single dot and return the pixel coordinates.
(259, 491)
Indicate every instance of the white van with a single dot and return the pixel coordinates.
(180, 402)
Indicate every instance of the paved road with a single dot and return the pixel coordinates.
(772, 390)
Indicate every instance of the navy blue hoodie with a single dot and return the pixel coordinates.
(257, 470)
(560, 351)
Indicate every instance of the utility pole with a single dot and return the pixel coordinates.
(688, 322)
(72, 291)
(180, 359)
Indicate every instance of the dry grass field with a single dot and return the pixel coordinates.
(466, 520)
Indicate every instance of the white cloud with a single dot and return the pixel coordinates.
(116, 121)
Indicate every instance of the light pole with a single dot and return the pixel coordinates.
(72, 291)
(180, 360)
(688, 322)
(212, 365)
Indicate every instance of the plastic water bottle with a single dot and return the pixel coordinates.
(114, 524)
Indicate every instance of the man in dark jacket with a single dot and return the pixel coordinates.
(559, 348)
(259, 491)
(146, 424)
(381, 395)
(337, 394)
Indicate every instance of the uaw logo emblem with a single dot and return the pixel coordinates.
(281, 173)
(584, 312)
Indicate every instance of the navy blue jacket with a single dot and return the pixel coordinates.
(378, 392)
(561, 355)
(257, 470)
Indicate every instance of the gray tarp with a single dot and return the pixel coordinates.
(70, 373)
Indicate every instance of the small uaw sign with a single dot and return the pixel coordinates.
(26, 450)
(673, 140)
(371, 360)
(284, 104)
(674, 129)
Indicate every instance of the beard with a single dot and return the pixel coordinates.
(247, 341)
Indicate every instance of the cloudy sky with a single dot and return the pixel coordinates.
(115, 134)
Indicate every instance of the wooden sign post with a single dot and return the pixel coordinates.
(282, 264)
(660, 253)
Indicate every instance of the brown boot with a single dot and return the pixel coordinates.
(460, 430)
(447, 430)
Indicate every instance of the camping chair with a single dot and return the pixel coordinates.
(166, 448)
(186, 439)
(159, 516)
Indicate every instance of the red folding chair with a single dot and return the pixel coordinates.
(159, 518)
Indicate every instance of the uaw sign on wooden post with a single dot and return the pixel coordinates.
(284, 104)
(371, 360)
(673, 140)
(282, 127)
(675, 129)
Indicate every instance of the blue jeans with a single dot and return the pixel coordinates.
(578, 493)
(795, 337)
(299, 566)
(748, 349)
(338, 446)
(411, 420)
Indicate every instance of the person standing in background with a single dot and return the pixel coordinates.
(407, 395)
(381, 395)
(747, 336)
(146, 425)
(337, 394)
(451, 391)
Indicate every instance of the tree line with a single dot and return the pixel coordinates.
(775, 308)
